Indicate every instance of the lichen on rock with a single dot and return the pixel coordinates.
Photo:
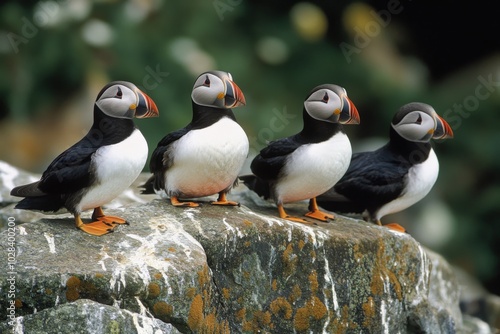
(219, 269)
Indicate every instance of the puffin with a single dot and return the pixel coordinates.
(100, 166)
(307, 164)
(395, 176)
(205, 157)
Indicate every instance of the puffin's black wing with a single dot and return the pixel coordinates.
(373, 179)
(70, 172)
(162, 160)
(268, 164)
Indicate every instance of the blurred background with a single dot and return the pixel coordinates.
(56, 56)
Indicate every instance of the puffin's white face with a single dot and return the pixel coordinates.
(417, 126)
(124, 100)
(217, 89)
(327, 105)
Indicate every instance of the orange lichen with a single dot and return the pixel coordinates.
(210, 324)
(381, 272)
(226, 293)
(73, 282)
(153, 290)
(72, 288)
(296, 294)
(203, 276)
(289, 260)
(302, 243)
(190, 292)
(241, 314)
(247, 223)
(171, 249)
(158, 276)
(247, 243)
(342, 324)
(274, 285)
(316, 308)
(281, 306)
(163, 311)
(18, 303)
(99, 275)
(301, 319)
(313, 254)
(358, 255)
(48, 291)
(368, 312)
(195, 317)
(261, 320)
(313, 280)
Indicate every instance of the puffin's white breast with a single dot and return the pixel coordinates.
(117, 166)
(208, 160)
(419, 182)
(312, 169)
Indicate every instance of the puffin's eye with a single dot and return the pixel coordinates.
(119, 93)
(207, 81)
(419, 120)
(326, 98)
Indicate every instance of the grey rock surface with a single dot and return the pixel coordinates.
(241, 269)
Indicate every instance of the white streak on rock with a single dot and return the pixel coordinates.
(19, 326)
(50, 241)
(22, 230)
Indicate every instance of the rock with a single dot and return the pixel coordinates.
(87, 316)
(233, 269)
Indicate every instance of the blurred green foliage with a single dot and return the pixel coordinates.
(51, 51)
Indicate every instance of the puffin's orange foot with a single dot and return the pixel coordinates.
(98, 215)
(319, 215)
(94, 228)
(222, 200)
(316, 213)
(284, 215)
(113, 220)
(395, 227)
(175, 202)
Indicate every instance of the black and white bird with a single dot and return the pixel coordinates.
(310, 162)
(100, 166)
(395, 176)
(205, 157)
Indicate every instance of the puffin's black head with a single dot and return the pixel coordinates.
(217, 89)
(419, 122)
(122, 99)
(330, 103)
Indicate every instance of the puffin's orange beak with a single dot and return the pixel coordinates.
(349, 113)
(146, 107)
(234, 96)
(443, 129)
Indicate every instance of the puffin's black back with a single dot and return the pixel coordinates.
(63, 182)
(375, 178)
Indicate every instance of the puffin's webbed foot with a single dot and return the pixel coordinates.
(222, 200)
(99, 215)
(316, 213)
(175, 202)
(95, 228)
(284, 215)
